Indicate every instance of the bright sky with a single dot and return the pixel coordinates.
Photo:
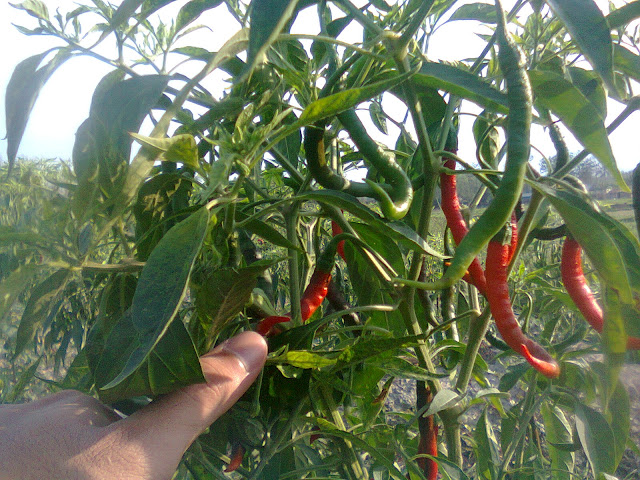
(64, 102)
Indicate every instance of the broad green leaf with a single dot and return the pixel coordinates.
(122, 15)
(173, 363)
(371, 346)
(619, 415)
(39, 307)
(558, 431)
(482, 12)
(396, 230)
(462, 83)
(179, 148)
(578, 114)
(104, 86)
(268, 19)
(331, 105)
(597, 439)
(192, 10)
(224, 293)
(624, 15)
(23, 89)
(162, 287)
(590, 84)
(589, 29)
(13, 285)
(486, 448)
(382, 244)
(627, 62)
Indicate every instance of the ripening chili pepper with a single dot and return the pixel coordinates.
(318, 287)
(579, 291)
(265, 326)
(336, 230)
(458, 227)
(237, 454)
(498, 253)
(519, 100)
(428, 443)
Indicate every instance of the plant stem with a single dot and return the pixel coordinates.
(477, 329)
(290, 214)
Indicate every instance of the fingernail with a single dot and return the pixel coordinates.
(249, 348)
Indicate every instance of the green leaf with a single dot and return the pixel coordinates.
(23, 89)
(331, 105)
(303, 359)
(39, 307)
(13, 285)
(382, 244)
(264, 230)
(558, 431)
(162, 287)
(486, 448)
(179, 148)
(590, 84)
(224, 293)
(173, 362)
(35, 8)
(371, 346)
(596, 438)
(378, 118)
(624, 15)
(619, 416)
(122, 15)
(627, 62)
(578, 114)
(23, 382)
(268, 19)
(444, 399)
(397, 230)
(399, 367)
(462, 83)
(481, 12)
(589, 29)
(192, 10)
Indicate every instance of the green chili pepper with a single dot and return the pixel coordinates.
(506, 196)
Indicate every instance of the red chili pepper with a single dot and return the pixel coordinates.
(237, 454)
(498, 254)
(579, 291)
(315, 292)
(428, 443)
(336, 230)
(456, 223)
(265, 326)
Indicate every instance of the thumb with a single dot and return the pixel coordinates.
(175, 420)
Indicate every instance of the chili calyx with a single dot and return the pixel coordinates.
(574, 281)
(498, 255)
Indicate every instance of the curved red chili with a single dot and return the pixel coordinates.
(498, 255)
(265, 326)
(455, 221)
(579, 291)
(315, 292)
(237, 454)
(336, 230)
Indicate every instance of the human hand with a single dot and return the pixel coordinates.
(71, 436)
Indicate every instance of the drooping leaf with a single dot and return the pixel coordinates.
(589, 29)
(578, 114)
(624, 15)
(558, 431)
(23, 89)
(331, 105)
(225, 293)
(462, 83)
(39, 307)
(172, 364)
(486, 448)
(162, 287)
(268, 19)
(192, 10)
(396, 230)
(627, 62)
(179, 148)
(597, 439)
(481, 12)
(13, 285)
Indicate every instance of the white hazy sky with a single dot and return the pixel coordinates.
(64, 102)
